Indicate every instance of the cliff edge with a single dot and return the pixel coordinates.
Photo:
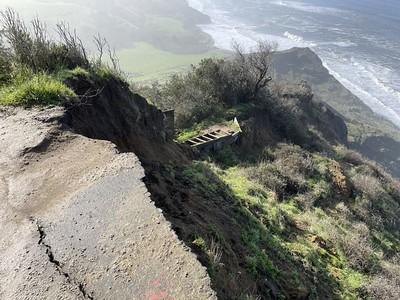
(78, 221)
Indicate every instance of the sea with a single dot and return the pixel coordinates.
(357, 40)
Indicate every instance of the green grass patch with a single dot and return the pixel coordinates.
(144, 62)
(38, 90)
(77, 72)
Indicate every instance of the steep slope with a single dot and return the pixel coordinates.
(382, 149)
(78, 222)
(303, 64)
(288, 213)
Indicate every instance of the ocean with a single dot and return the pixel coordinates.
(357, 40)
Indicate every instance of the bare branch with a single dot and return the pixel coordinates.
(101, 43)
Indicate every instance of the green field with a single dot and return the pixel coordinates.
(144, 62)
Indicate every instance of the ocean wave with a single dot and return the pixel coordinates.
(224, 30)
(343, 44)
(377, 86)
(309, 8)
(293, 37)
(380, 93)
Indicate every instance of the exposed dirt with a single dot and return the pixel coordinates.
(193, 208)
(78, 222)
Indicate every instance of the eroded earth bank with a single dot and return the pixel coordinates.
(77, 220)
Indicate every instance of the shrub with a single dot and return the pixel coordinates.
(5, 65)
(294, 161)
(226, 157)
(382, 288)
(41, 89)
(368, 186)
(269, 176)
(349, 156)
(286, 171)
(33, 66)
(321, 193)
(357, 248)
(31, 47)
(385, 285)
(338, 177)
(214, 84)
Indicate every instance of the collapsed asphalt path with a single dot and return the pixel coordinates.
(78, 223)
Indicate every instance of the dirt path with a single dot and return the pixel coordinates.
(78, 223)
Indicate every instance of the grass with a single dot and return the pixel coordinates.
(77, 72)
(144, 62)
(35, 90)
(278, 218)
(27, 88)
(304, 249)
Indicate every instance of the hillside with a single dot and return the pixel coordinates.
(273, 228)
(372, 135)
(99, 201)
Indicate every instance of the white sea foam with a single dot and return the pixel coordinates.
(344, 44)
(309, 8)
(224, 30)
(361, 78)
(293, 37)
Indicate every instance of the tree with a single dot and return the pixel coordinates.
(253, 68)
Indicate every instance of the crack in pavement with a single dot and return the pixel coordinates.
(54, 261)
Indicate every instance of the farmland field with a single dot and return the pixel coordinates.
(144, 62)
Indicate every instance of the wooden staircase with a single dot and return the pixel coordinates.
(214, 140)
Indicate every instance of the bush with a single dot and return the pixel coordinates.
(294, 161)
(284, 170)
(385, 285)
(41, 89)
(213, 85)
(368, 186)
(33, 67)
(5, 66)
(273, 178)
(357, 249)
(350, 156)
(321, 193)
(32, 48)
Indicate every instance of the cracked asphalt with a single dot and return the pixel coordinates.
(78, 223)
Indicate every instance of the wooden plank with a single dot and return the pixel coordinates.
(198, 139)
(205, 137)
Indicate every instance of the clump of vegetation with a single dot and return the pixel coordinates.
(349, 239)
(33, 67)
(214, 85)
(284, 171)
(40, 89)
